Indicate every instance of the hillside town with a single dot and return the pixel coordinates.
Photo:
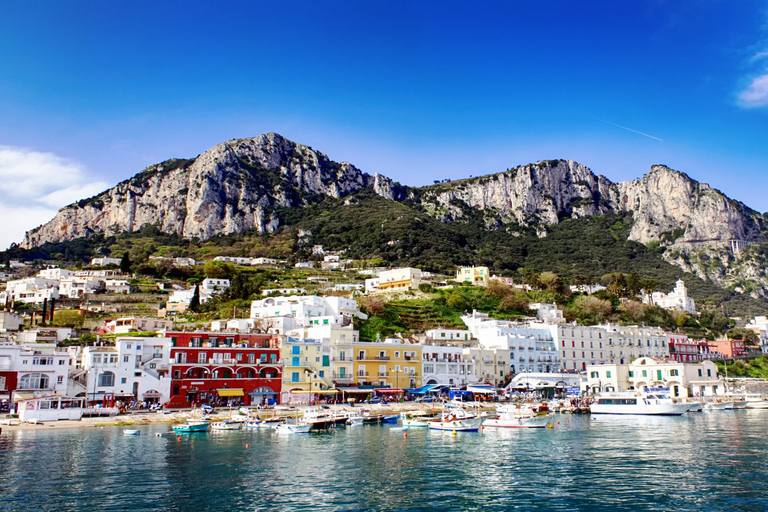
(298, 347)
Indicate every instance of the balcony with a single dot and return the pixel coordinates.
(383, 358)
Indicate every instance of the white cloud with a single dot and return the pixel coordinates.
(34, 185)
(756, 94)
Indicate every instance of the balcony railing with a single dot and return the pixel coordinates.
(383, 358)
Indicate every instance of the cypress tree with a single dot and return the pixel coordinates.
(194, 302)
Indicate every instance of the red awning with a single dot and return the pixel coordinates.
(390, 390)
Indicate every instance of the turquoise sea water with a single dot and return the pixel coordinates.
(704, 461)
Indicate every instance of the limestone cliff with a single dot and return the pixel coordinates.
(234, 186)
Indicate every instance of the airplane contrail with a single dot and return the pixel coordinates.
(631, 130)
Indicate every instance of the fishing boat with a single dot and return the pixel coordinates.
(319, 419)
(755, 401)
(719, 405)
(519, 417)
(226, 425)
(457, 420)
(131, 432)
(631, 402)
(192, 426)
(293, 428)
(417, 420)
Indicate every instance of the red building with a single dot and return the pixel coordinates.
(684, 350)
(216, 367)
(728, 348)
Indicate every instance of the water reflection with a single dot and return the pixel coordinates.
(713, 461)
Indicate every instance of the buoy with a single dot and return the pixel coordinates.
(550, 425)
(558, 422)
(454, 432)
(405, 435)
(178, 438)
(158, 435)
(247, 446)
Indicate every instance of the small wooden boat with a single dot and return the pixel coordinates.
(131, 432)
(293, 428)
(226, 425)
(192, 426)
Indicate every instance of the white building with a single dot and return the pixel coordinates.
(547, 313)
(682, 379)
(581, 346)
(304, 264)
(446, 365)
(137, 368)
(629, 342)
(283, 291)
(138, 324)
(75, 287)
(491, 364)
(759, 325)
(448, 335)
(30, 290)
(54, 273)
(530, 346)
(372, 285)
(348, 287)
(41, 369)
(676, 300)
(286, 313)
(263, 261)
(117, 286)
(103, 262)
(237, 260)
(10, 321)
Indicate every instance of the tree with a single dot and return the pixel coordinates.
(530, 276)
(68, 318)
(514, 302)
(591, 309)
(551, 282)
(194, 302)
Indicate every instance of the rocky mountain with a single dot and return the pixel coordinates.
(241, 185)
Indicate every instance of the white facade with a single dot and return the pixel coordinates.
(30, 290)
(138, 324)
(103, 262)
(283, 291)
(491, 364)
(10, 321)
(676, 300)
(134, 366)
(263, 261)
(581, 346)
(446, 365)
(304, 264)
(629, 342)
(547, 313)
(117, 286)
(75, 287)
(306, 311)
(530, 347)
(372, 285)
(438, 335)
(237, 260)
(759, 325)
(55, 273)
(42, 369)
(682, 379)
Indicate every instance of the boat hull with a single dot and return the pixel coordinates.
(191, 428)
(465, 425)
(287, 428)
(537, 421)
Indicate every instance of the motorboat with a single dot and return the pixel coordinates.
(638, 402)
(226, 425)
(755, 401)
(192, 426)
(293, 428)
(355, 421)
(319, 419)
(131, 432)
(511, 416)
(409, 419)
(718, 405)
(457, 420)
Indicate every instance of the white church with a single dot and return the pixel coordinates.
(678, 299)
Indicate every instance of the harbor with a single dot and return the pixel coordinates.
(710, 460)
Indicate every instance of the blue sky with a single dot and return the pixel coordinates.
(93, 92)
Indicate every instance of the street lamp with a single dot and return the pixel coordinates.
(309, 374)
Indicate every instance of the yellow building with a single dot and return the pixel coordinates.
(476, 276)
(390, 363)
(306, 366)
(399, 279)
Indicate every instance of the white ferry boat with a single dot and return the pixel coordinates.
(635, 402)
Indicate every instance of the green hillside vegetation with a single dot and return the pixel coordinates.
(755, 368)
(379, 232)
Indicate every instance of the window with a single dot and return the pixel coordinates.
(106, 379)
(593, 375)
(700, 374)
(295, 350)
(673, 373)
(201, 357)
(62, 362)
(658, 374)
(60, 379)
(608, 374)
(321, 373)
(123, 380)
(295, 377)
(125, 359)
(709, 373)
(177, 375)
(645, 373)
(251, 358)
(631, 373)
(138, 347)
